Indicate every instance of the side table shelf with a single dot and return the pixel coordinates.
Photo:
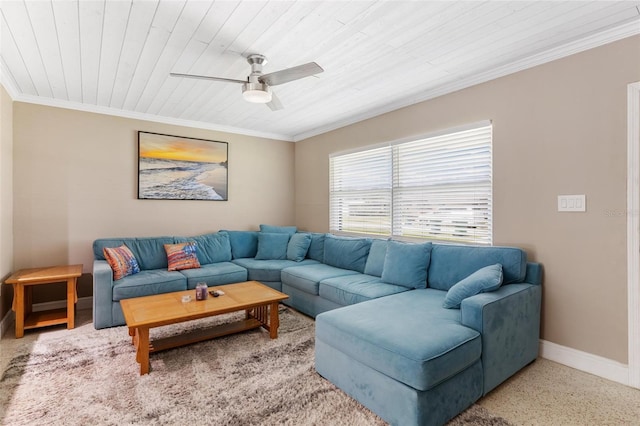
(23, 282)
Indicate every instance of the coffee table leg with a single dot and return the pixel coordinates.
(274, 321)
(142, 349)
(71, 303)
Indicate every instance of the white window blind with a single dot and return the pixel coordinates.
(360, 192)
(436, 188)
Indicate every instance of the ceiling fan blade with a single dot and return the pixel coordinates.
(275, 103)
(290, 74)
(206, 77)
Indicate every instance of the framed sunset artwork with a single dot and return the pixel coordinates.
(179, 168)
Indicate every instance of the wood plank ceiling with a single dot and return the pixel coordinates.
(114, 56)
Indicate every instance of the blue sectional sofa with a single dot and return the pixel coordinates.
(417, 332)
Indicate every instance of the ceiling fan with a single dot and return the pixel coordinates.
(257, 87)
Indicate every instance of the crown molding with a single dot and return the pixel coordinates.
(629, 29)
(16, 96)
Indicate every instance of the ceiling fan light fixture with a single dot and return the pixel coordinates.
(257, 93)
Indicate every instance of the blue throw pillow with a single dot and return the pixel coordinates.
(298, 246)
(272, 229)
(483, 280)
(375, 261)
(406, 264)
(346, 253)
(272, 246)
(316, 248)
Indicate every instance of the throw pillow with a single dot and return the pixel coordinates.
(272, 246)
(298, 246)
(406, 264)
(483, 280)
(182, 256)
(316, 248)
(121, 260)
(375, 261)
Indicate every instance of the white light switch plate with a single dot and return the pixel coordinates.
(572, 203)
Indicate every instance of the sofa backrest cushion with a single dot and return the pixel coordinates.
(316, 248)
(148, 251)
(375, 260)
(272, 246)
(346, 253)
(212, 248)
(452, 263)
(273, 229)
(243, 243)
(406, 264)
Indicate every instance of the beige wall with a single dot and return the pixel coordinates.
(559, 128)
(75, 180)
(6, 199)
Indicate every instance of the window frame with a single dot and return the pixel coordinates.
(472, 219)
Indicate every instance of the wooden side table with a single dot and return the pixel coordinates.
(23, 282)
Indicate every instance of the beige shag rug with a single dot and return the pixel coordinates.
(89, 377)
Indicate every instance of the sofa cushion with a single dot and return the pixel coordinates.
(406, 264)
(298, 246)
(182, 256)
(316, 248)
(278, 229)
(148, 282)
(215, 274)
(308, 277)
(122, 261)
(408, 336)
(452, 263)
(272, 246)
(243, 243)
(150, 252)
(346, 253)
(267, 270)
(483, 280)
(212, 248)
(350, 289)
(375, 260)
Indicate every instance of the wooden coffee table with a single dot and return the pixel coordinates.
(259, 301)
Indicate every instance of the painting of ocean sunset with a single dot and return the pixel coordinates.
(177, 168)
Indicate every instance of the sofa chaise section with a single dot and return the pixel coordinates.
(414, 362)
(401, 356)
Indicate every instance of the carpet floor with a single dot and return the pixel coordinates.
(86, 376)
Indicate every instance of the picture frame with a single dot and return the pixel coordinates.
(181, 168)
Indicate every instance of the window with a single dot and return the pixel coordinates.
(437, 188)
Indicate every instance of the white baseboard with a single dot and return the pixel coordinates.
(9, 318)
(593, 364)
(82, 303)
(7, 322)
